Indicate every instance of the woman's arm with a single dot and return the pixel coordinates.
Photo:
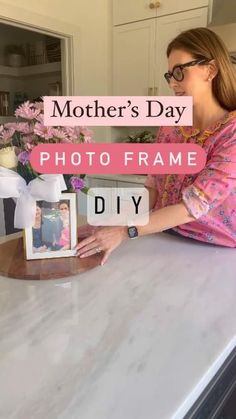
(165, 218)
(108, 238)
(152, 197)
(210, 188)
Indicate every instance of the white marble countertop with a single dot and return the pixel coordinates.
(137, 338)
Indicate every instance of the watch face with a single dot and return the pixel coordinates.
(132, 232)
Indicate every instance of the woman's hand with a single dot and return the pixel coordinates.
(104, 239)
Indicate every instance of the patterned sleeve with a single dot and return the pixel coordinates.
(150, 181)
(214, 183)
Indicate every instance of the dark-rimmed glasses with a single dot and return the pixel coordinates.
(178, 73)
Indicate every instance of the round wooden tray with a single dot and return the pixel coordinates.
(14, 265)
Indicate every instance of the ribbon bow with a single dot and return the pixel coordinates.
(43, 188)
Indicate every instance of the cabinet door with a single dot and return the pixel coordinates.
(101, 183)
(168, 7)
(133, 58)
(134, 10)
(129, 185)
(168, 27)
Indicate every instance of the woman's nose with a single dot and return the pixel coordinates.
(173, 83)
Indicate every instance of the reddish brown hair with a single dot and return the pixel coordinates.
(204, 43)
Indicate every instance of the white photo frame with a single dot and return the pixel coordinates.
(54, 234)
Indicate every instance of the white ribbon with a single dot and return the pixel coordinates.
(44, 188)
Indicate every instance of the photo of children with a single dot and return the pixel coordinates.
(64, 240)
(54, 231)
(38, 244)
(53, 226)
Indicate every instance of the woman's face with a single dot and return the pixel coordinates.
(195, 82)
(38, 213)
(64, 210)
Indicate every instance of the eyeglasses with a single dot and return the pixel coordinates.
(178, 73)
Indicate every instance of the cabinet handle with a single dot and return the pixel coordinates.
(155, 91)
(155, 5)
(150, 89)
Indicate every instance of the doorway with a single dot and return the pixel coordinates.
(34, 62)
(30, 67)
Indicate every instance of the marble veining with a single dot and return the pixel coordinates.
(137, 338)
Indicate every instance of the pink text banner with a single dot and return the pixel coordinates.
(118, 110)
(118, 158)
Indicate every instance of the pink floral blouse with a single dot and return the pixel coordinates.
(210, 195)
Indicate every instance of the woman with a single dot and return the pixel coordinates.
(38, 244)
(203, 206)
(64, 240)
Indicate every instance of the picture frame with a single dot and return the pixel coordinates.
(54, 233)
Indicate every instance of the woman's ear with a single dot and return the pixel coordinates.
(212, 70)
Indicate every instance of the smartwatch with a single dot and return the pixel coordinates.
(132, 232)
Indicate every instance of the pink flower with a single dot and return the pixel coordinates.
(31, 131)
(71, 133)
(86, 132)
(27, 111)
(77, 131)
(59, 133)
(39, 105)
(11, 125)
(6, 135)
(87, 135)
(40, 118)
(43, 131)
(28, 138)
(25, 127)
(29, 147)
(88, 139)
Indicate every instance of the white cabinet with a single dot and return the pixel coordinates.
(134, 10)
(139, 52)
(133, 58)
(120, 184)
(115, 181)
(108, 181)
(167, 28)
(100, 183)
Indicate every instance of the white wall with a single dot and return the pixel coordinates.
(93, 19)
(94, 22)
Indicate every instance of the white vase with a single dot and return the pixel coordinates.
(8, 158)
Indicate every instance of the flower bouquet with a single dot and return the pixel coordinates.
(17, 140)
